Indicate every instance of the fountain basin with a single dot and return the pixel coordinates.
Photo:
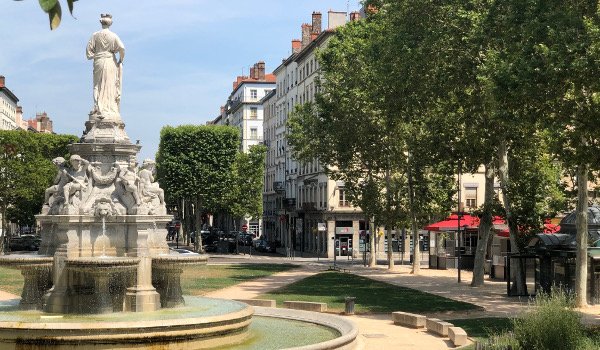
(204, 323)
(166, 276)
(37, 277)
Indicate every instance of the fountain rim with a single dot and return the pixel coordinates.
(347, 328)
(114, 325)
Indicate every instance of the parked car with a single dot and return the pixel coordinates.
(264, 246)
(245, 239)
(211, 248)
(25, 242)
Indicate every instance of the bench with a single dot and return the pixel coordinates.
(258, 302)
(438, 326)
(457, 335)
(305, 305)
(408, 320)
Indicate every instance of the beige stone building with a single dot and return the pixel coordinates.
(305, 210)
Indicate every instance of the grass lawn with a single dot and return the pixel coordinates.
(371, 296)
(199, 280)
(11, 280)
(196, 280)
(483, 327)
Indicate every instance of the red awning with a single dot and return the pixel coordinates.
(451, 223)
(472, 223)
(548, 228)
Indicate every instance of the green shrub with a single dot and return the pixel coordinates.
(551, 323)
(502, 341)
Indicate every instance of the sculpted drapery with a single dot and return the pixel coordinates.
(102, 48)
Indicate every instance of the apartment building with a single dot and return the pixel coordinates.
(8, 107)
(304, 209)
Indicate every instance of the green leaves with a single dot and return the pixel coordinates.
(70, 4)
(48, 5)
(54, 16)
(26, 170)
(54, 11)
(196, 161)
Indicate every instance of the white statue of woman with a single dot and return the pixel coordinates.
(103, 47)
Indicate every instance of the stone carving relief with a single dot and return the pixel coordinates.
(153, 197)
(53, 198)
(84, 188)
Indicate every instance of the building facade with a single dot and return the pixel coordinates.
(8, 107)
(244, 110)
(305, 210)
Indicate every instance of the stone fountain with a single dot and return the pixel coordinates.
(104, 277)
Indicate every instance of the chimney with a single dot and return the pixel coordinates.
(335, 19)
(260, 67)
(316, 23)
(296, 45)
(354, 16)
(253, 72)
(2, 81)
(305, 35)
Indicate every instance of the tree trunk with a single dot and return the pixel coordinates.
(416, 266)
(581, 259)
(188, 217)
(198, 236)
(516, 270)
(388, 196)
(484, 228)
(372, 256)
(4, 236)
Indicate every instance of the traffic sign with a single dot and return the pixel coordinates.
(244, 227)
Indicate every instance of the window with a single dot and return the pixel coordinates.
(253, 94)
(471, 197)
(253, 134)
(343, 201)
(253, 112)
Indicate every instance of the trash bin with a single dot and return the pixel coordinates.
(349, 305)
(442, 263)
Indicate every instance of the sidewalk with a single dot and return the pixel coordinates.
(375, 331)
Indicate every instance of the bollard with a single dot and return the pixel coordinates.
(349, 305)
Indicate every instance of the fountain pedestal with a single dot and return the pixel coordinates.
(97, 285)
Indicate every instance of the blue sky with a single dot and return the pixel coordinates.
(181, 56)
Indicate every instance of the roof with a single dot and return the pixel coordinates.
(9, 94)
(267, 96)
(313, 44)
(269, 79)
(285, 62)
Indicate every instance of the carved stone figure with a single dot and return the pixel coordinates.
(127, 184)
(102, 48)
(53, 192)
(148, 188)
(78, 177)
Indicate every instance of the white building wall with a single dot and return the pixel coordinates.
(8, 112)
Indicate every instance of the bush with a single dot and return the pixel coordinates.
(502, 341)
(551, 323)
